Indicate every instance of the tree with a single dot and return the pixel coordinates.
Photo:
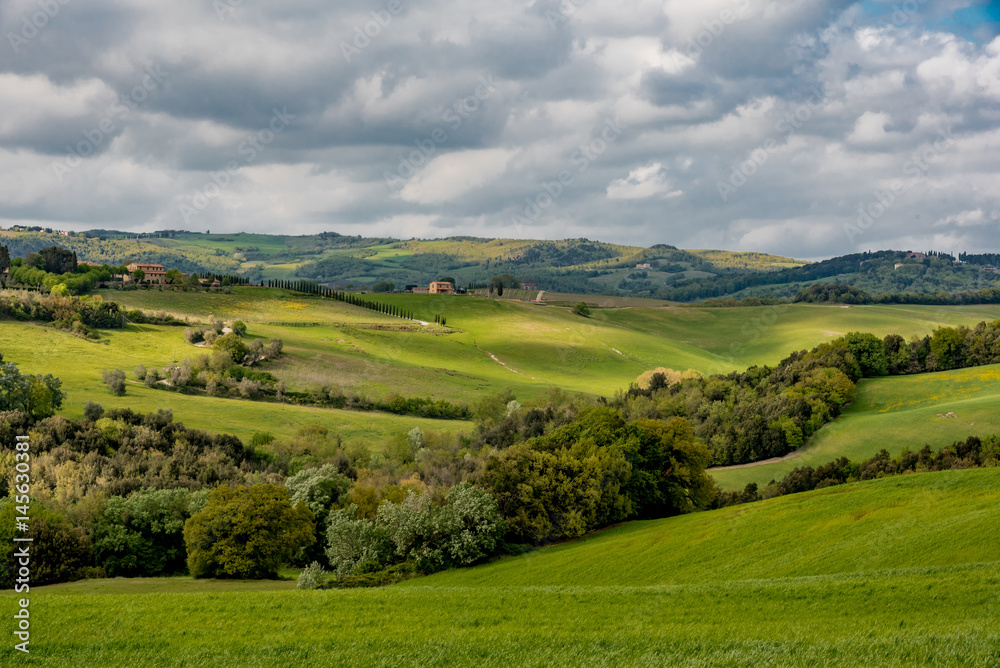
(115, 380)
(139, 275)
(582, 309)
(246, 532)
(143, 535)
(4, 259)
(54, 260)
(240, 327)
(869, 351)
(355, 544)
(174, 276)
(37, 395)
(384, 286)
(93, 411)
(232, 345)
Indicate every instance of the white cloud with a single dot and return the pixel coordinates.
(641, 183)
(450, 176)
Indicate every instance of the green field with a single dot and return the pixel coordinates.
(894, 413)
(488, 345)
(78, 363)
(891, 572)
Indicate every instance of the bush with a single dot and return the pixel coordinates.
(232, 345)
(239, 328)
(311, 576)
(582, 309)
(356, 545)
(246, 532)
(140, 372)
(93, 411)
(143, 535)
(115, 380)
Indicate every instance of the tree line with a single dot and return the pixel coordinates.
(973, 452)
(313, 288)
(767, 412)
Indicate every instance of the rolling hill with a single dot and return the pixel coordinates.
(893, 413)
(890, 572)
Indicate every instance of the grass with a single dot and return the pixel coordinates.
(489, 345)
(78, 363)
(912, 521)
(894, 413)
(891, 573)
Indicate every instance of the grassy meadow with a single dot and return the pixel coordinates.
(78, 363)
(891, 572)
(487, 346)
(894, 413)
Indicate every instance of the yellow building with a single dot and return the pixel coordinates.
(442, 288)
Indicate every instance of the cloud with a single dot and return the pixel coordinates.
(643, 182)
(835, 102)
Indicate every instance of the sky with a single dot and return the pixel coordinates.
(807, 128)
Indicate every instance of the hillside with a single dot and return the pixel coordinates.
(489, 345)
(894, 413)
(892, 572)
(570, 265)
(913, 521)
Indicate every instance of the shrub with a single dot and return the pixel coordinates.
(311, 576)
(140, 372)
(115, 380)
(93, 411)
(240, 328)
(143, 535)
(246, 532)
(232, 345)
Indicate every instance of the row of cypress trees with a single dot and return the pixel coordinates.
(313, 288)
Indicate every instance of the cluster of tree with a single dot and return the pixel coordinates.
(34, 394)
(846, 294)
(974, 452)
(116, 249)
(464, 529)
(82, 279)
(987, 259)
(111, 491)
(768, 412)
(74, 315)
(313, 288)
(226, 371)
(886, 276)
(596, 470)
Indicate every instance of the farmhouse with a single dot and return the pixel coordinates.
(529, 285)
(420, 291)
(441, 288)
(644, 265)
(155, 273)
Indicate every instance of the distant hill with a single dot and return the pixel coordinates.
(576, 266)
